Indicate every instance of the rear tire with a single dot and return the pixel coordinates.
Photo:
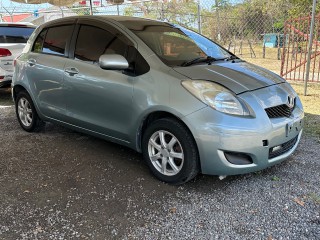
(26, 113)
(170, 151)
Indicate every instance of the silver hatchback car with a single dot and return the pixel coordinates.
(185, 102)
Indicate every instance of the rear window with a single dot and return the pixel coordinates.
(15, 34)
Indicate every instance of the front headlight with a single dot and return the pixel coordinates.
(216, 96)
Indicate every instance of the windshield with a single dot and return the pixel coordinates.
(176, 45)
(15, 34)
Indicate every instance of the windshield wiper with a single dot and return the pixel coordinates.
(232, 57)
(208, 60)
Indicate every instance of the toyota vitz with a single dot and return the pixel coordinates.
(185, 102)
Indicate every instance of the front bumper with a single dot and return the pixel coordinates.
(260, 141)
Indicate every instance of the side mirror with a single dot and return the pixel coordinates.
(113, 62)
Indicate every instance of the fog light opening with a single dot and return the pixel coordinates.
(276, 148)
(265, 143)
(238, 158)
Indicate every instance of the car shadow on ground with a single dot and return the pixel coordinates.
(5, 97)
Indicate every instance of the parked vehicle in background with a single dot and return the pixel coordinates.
(13, 38)
(185, 102)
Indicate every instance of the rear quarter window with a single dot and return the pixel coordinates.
(53, 40)
(11, 34)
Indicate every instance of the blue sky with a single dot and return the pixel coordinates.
(23, 7)
(8, 3)
(19, 7)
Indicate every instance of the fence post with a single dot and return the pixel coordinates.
(10, 13)
(199, 17)
(218, 19)
(162, 12)
(279, 50)
(91, 11)
(264, 49)
(310, 47)
(62, 13)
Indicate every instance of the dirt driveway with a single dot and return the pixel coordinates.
(59, 184)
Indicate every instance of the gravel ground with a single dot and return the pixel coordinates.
(59, 184)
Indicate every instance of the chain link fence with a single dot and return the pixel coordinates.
(252, 29)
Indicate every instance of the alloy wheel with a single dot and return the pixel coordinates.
(25, 112)
(165, 153)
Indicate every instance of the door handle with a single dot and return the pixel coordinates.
(71, 71)
(31, 62)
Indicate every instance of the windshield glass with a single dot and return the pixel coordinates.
(15, 34)
(177, 45)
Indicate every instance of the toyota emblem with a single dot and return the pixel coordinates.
(290, 103)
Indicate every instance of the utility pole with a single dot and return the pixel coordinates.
(310, 47)
(218, 20)
(91, 12)
(199, 17)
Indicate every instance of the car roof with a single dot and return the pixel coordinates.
(133, 23)
(17, 24)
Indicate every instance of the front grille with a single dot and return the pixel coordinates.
(279, 111)
(283, 148)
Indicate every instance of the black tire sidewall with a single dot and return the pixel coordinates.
(191, 159)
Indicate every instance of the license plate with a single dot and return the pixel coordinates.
(6, 62)
(293, 126)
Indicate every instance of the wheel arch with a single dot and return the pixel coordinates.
(16, 89)
(154, 116)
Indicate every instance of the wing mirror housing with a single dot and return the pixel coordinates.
(113, 62)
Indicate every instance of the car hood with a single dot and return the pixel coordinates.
(238, 76)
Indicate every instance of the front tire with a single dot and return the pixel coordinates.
(26, 113)
(170, 151)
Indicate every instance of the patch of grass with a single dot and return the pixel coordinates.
(311, 104)
(275, 178)
(315, 197)
(258, 172)
(270, 61)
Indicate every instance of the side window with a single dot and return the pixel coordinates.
(38, 44)
(92, 42)
(53, 40)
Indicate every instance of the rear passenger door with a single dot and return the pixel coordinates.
(99, 100)
(45, 69)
